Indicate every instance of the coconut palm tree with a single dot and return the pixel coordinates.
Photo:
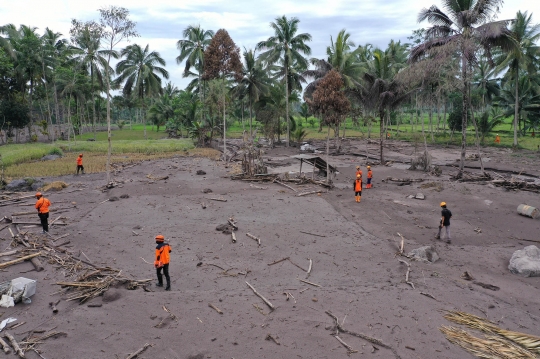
(523, 57)
(254, 83)
(289, 47)
(463, 28)
(140, 73)
(192, 48)
(88, 56)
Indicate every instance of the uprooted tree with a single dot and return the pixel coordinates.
(222, 61)
(330, 101)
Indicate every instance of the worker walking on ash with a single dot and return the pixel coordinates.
(80, 166)
(162, 261)
(357, 185)
(445, 222)
(42, 206)
(497, 139)
(369, 177)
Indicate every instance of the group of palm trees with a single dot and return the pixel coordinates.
(476, 70)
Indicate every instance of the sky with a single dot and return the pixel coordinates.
(160, 22)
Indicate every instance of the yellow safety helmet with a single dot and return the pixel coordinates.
(358, 176)
(443, 204)
(368, 167)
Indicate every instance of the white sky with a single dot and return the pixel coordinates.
(160, 22)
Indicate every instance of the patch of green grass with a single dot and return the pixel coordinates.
(135, 133)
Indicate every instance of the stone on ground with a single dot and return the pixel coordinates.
(426, 253)
(526, 262)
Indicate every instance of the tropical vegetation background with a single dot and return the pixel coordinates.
(463, 78)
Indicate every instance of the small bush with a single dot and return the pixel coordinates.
(56, 151)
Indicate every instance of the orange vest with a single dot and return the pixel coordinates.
(42, 205)
(79, 161)
(359, 172)
(369, 174)
(358, 185)
(162, 254)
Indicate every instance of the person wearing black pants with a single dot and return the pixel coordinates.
(44, 218)
(42, 206)
(162, 261)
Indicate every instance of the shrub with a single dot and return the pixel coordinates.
(56, 151)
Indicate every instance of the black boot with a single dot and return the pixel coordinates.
(159, 284)
(168, 287)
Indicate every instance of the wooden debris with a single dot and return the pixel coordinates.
(232, 223)
(215, 308)
(308, 282)
(5, 346)
(19, 260)
(428, 295)
(134, 355)
(266, 301)
(339, 328)
(296, 265)
(313, 234)
(308, 193)
(257, 187)
(233, 236)
(309, 268)
(487, 286)
(218, 199)
(407, 274)
(14, 344)
(203, 205)
(270, 337)
(94, 305)
(278, 261)
(9, 253)
(350, 350)
(285, 185)
(255, 238)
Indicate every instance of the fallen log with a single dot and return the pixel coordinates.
(15, 345)
(134, 355)
(266, 301)
(218, 199)
(8, 253)
(5, 346)
(307, 193)
(19, 260)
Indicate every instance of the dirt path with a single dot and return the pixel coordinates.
(354, 263)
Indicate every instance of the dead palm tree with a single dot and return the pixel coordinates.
(463, 29)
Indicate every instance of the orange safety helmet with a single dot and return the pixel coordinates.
(358, 176)
(38, 194)
(160, 238)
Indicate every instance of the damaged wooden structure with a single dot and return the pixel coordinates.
(317, 163)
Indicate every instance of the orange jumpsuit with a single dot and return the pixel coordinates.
(497, 139)
(42, 206)
(369, 177)
(357, 185)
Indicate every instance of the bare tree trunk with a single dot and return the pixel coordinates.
(516, 109)
(381, 115)
(465, 114)
(327, 155)
(287, 104)
(224, 125)
(93, 101)
(109, 135)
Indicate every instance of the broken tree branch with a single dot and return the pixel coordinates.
(218, 199)
(255, 238)
(408, 271)
(308, 193)
(15, 345)
(19, 260)
(308, 282)
(262, 297)
(350, 350)
(285, 185)
(215, 308)
(313, 234)
(134, 355)
(309, 269)
(278, 261)
(233, 236)
(5, 346)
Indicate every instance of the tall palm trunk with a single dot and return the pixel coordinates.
(250, 118)
(93, 101)
(47, 98)
(224, 125)
(381, 130)
(516, 108)
(287, 103)
(109, 135)
(465, 114)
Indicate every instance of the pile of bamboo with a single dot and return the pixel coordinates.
(497, 344)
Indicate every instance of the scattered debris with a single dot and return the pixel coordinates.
(53, 306)
(528, 211)
(420, 196)
(487, 286)
(134, 355)
(266, 301)
(308, 282)
(255, 238)
(426, 253)
(313, 234)
(467, 276)
(408, 272)
(215, 308)
(162, 178)
(206, 190)
(54, 186)
(200, 172)
(270, 337)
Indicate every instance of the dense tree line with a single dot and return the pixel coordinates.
(466, 72)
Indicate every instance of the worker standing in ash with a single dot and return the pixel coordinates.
(79, 164)
(358, 171)
(357, 186)
(162, 261)
(445, 222)
(42, 206)
(369, 177)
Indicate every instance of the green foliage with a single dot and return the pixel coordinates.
(455, 117)
(299, 135)
(14, 111)
(121, 124)
(56, 151)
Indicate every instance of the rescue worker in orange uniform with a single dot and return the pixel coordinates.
(369, 177)
(79, 164)
(42, 206)
(497, 139)
(357, 185)
(358, 171)
(162, 261)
